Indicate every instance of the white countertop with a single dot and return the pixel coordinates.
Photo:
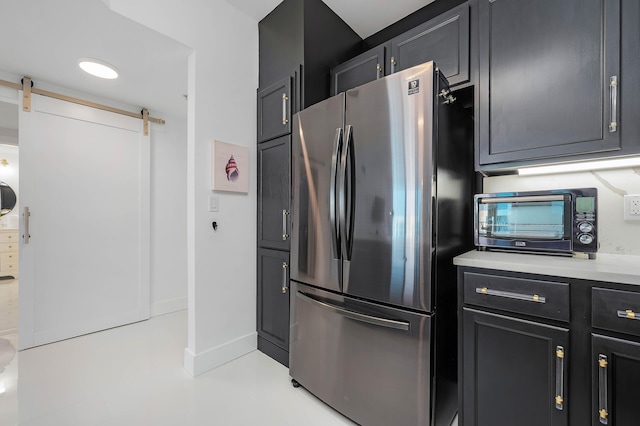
(606, 267)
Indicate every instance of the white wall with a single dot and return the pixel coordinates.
(616, 235)
(222, 82)
(168, 216)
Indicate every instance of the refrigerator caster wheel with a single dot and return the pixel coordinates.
(294, 383)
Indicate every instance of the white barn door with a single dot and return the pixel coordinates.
(84, 176)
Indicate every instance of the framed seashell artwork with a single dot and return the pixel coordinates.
(229, 167)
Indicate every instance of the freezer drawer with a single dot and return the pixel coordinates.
(371, 363)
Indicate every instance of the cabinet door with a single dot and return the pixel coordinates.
(514, 371)
(362, 69)
(274, 188)
(274, 109)
(545, 79)
(273, 304)
(615, 378)
(444, 39)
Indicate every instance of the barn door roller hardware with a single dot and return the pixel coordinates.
(27, 89)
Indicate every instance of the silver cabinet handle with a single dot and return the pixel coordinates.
(603, 413)
(393, 65)
(509, 295)
(613, 93)
(559, 377)
(26, 235)
(628, 314)
(285, 116)
(285, 234)
(285, 282)
(369, 319)
(378, 71)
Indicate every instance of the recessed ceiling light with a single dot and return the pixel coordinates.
(98, 68)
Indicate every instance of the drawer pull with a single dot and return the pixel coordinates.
(509, 295)
(559, 399)
(629, 314)
(603, 412)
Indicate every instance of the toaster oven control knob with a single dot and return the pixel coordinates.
(586, 238)
(585, 227)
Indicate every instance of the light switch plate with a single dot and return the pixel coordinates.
(213, 203)
(632, 207)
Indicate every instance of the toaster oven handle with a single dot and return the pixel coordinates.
(524, 199)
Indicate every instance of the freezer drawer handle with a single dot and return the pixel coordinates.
(509, 295)
(382, 322)
(629, 314)
(603, 412)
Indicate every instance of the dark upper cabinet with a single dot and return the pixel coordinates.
(444, 40)
(366, 67)
(273, 304)
(274, 109)
(307, 33)
(549, 81)
(513, 363)
(274, 189)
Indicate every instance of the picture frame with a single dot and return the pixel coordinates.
(229, 167)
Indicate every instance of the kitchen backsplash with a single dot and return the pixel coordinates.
(617, 236)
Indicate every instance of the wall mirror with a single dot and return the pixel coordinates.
(7, 198)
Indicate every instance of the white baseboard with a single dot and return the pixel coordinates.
(168, 306)
(197, 364)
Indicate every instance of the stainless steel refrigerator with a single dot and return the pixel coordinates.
(381, 202)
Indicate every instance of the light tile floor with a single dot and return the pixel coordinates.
(133, 375)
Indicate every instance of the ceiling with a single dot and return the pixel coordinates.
(365, 17)
(48, 37)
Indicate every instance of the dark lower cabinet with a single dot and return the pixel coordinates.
(274, 189)
(514, 371)
(616, 374)
(523, 350)
(273, 304)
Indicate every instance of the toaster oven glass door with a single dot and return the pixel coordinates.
(547, 217)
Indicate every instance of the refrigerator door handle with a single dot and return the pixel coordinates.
(335, 229)
(369, 319)
(346, 204)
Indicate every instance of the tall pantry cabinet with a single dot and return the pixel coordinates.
(300, 40)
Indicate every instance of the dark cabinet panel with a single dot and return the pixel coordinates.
(444, 39)
(273, 303)
(616, 374)
(274, 189)
(366, 67)
(513, 371)
(274, 109)
(549, 73)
